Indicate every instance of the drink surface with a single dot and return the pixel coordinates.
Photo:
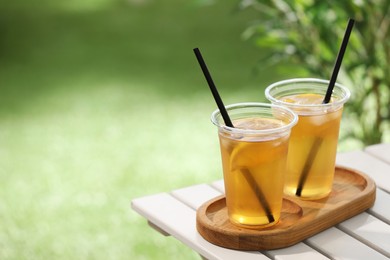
(249, 163)
(258, 123)
(304, 99)
(312, 150)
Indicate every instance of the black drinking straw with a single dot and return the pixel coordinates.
(339, 60)
(248, 176)
(213, 88)
(317, 142)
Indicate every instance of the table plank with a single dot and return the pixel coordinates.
(338, 245)
(380, 151)
(195, 196)
(369, 230)
(219, 185)
(381, 208)
(299, 251)
(179, 220)
(377, 169)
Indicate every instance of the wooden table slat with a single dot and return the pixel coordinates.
(380, 151)
(219, 185)
(300, 251)
(195, 196)
(370, 230)
(338, 245)
(381, 208)
(179, 220)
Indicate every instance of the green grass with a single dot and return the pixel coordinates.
(102, 102)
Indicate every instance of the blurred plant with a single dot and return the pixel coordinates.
(309, 33)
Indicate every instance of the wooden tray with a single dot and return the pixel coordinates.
(352, 193)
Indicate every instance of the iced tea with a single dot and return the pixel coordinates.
(313, 141)
(313, 146)
(254, 155)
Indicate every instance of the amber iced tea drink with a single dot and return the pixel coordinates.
(254, 155)
(313, 141)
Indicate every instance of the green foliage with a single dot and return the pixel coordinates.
(102, 103)
(309, 33)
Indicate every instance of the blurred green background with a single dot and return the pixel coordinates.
(102, 101)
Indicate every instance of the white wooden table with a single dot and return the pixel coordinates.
(365, 236)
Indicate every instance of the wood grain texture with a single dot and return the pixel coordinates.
(352, 193)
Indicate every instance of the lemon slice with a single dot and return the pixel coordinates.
(253, 154)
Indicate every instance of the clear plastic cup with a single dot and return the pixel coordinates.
(313, 142)
(254, 155)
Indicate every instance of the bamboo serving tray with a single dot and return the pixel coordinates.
(353, 192)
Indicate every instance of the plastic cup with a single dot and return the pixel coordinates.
(254, 155)
(313, 142)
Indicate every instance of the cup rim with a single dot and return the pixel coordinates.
(283, 128)
(336, 103)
